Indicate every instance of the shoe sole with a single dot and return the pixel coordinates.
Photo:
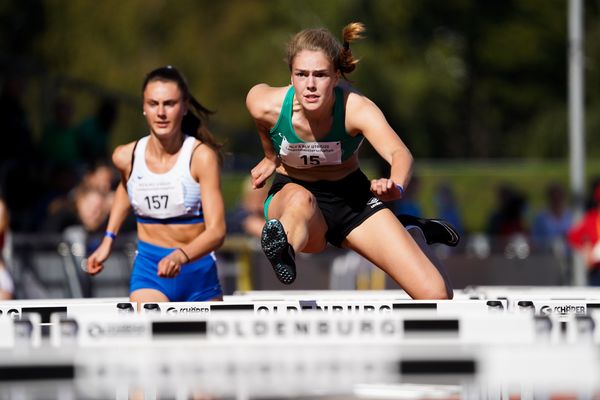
(274, 242)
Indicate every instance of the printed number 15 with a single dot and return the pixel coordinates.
(312, 160)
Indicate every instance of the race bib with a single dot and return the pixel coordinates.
(310, 154)
(159, 198)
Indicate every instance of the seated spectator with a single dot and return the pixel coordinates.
(95, 191)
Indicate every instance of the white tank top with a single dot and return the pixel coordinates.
(172, 197)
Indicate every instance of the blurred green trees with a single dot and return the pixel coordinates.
(456, 78)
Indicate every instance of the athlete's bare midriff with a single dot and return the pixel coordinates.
(323, 173)
(165, 235)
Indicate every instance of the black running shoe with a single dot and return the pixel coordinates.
(279, 252)
(434, 230)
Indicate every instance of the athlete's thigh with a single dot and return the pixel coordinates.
(294, 204)
(383, 240)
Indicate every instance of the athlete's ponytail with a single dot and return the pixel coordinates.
(321, 39)
(346, 62)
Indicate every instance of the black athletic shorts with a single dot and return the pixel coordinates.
(345, 204)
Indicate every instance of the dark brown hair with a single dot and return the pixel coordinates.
(321, 39)
(195, 122)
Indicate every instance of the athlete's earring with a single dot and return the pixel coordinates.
(144, 112)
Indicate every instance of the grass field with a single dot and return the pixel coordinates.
(474, 183)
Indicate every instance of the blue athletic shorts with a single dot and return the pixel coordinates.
(197, 281)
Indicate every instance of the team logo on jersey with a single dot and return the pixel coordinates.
(373, 202)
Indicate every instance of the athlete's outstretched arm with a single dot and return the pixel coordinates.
(365, 117)
(118, 212)
(264, 112)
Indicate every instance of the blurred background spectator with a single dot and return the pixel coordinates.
(446, 207)
(248, 216)
(409, 203)
(584, 236)
(58, 144)
(552, 223)
(93, 133)
(6, 282)
(20, 172)
(508, 217)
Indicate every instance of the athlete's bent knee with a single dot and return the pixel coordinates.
(302, 199)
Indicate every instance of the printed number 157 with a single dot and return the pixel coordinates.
(157, 201)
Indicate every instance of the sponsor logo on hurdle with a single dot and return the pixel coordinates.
(112, 330)
(563, 310)
(187, 310)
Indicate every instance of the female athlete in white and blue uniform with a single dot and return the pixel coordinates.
(310, 133)
(171, 179)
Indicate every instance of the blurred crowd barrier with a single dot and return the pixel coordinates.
(52, 266)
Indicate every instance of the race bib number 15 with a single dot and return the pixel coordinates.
(310, 154)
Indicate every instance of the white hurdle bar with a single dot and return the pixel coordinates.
(34, 318)
(17, 333)
(308, 369)
(547, 292)
(46, 307)
(328, 305)
(397, 294)
(266, 329)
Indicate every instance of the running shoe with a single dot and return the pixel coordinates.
(434, 230)
(278, 251)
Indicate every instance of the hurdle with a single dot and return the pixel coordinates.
(328, 305)
(257, 295)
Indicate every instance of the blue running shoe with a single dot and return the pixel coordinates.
(278, 251)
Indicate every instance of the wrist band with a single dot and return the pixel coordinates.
(185, 254)
(400, 188)
(110, 234)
